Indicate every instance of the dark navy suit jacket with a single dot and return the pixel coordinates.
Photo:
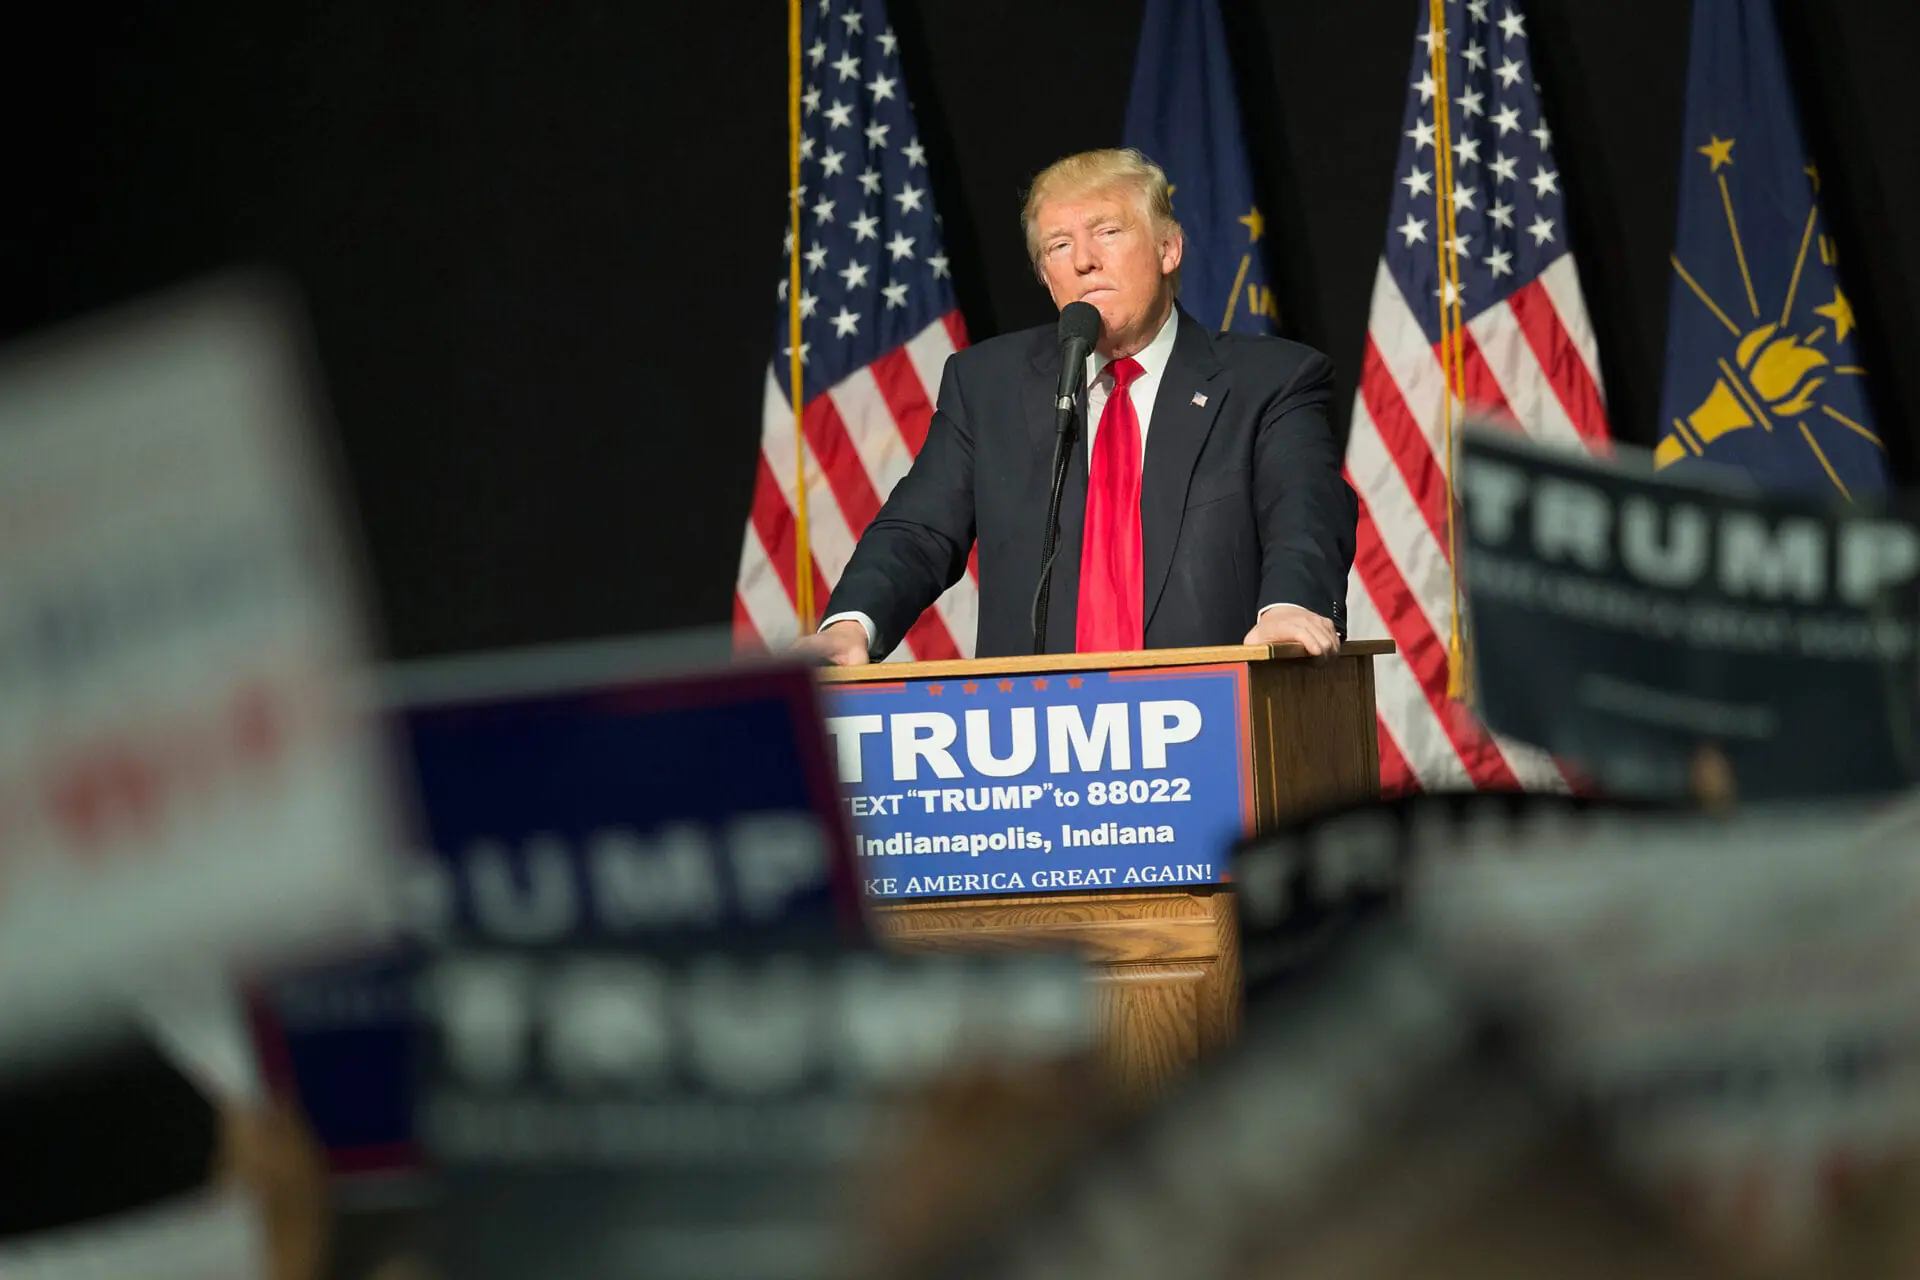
(1242, 503)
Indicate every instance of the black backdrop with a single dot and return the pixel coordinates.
(539, 241)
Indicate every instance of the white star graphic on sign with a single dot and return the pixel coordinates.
(1544, 183)
(1463, 198)
(839, 115)
(1476, 56)
(877, 134)
(915, 153)
(881, 87)
(901, 246)
(1459, 244)
(1427, 38)
(1426, 86)
(1468, 150)
(1513, 25)
(888, 42)
(1422, 134)
(1502, 214)
(852, 19)
(1413, 229)
(1419, 182)
(1478, 8)
(1499, 262)
(806, 147)
(863, 228)
(1508, 118)
(816, 256)
(808, 305)
(823, 212)
(848, 66)
(895, 294)
(1509, 73)
(854, 273)
(845, 323)
(939, 264)
(817, 52)
(1503, 166)
(1542, 135)
(812, 99)
(870, 181)
(804, 348)
(1470, 102)
(909, 198)
(831, 163)
(1541, 230)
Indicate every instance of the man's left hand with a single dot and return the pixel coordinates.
(1291, 624)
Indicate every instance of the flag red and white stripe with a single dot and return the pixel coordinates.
(861, 435)
(1527, 354)
(877, 321)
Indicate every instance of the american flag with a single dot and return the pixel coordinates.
(878, 322)
(1476, 152)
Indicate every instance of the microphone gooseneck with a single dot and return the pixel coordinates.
(1078, 332)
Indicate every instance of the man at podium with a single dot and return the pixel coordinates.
(1203, 502)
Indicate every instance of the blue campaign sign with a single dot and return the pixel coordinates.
(1044, 783)
(697, 813)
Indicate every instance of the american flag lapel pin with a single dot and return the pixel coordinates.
(1199, 399)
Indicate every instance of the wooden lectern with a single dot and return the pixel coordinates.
(1168, 960)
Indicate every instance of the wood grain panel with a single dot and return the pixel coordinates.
(1315, 736)
(1151, 1017)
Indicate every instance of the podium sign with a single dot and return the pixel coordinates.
(1044, 783)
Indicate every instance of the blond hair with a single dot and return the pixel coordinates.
(1094, 171)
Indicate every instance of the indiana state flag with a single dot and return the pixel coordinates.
(1761, 368)
(1184, 115)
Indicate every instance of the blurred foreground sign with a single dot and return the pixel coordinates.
(182, 782)
(1626, 621)
(580, 797)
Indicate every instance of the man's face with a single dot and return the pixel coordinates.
(1101, 249)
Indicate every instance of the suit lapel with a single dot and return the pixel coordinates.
(1175, 436)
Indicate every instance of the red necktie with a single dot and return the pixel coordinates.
(1110, 577)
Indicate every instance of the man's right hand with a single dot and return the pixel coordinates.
(844, 644)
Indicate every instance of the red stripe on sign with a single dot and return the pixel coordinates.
(1425, 654)
(906, 398)
(1396, 775)
(1483, 389)
(931, 640)
(773, 521)
(1404, 440)
(1566, 369)
(956, 329)
(840, 462)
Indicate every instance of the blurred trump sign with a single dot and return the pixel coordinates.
(183, 782)
(590, 796)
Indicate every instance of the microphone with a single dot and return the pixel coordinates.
(1079, 330)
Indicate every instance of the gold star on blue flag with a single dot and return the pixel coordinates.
(1762, 373)
(1183, 114)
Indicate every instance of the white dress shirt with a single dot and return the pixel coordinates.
(1153, 365)
(1153, 360)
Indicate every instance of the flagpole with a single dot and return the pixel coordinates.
(1452, 356)
(803, 551)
